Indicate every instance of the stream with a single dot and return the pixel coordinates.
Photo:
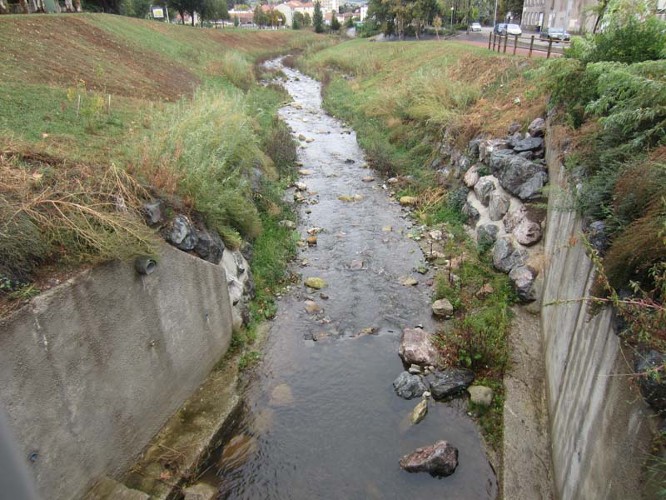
(321, 419)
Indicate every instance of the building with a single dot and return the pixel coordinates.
(573, 15)
(290, 8)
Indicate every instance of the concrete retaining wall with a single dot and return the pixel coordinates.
(599, 423)
(92, 369)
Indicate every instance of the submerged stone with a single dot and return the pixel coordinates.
(315, 283)
(409, 386)
(439, 459)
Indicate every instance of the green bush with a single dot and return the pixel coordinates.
(631, 42)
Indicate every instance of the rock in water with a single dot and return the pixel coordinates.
(316, 283)
(449, 383)
(420, 410)
(438, 459)
(409, 386)
(237, 451)
(416, 348)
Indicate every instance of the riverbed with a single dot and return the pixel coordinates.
(321, 419)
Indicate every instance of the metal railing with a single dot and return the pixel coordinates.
(499, 43)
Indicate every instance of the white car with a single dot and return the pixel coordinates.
(475, 27)
(513, 29)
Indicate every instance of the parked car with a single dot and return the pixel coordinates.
(500, 28)
(513, 29)
(475, 27)
(555, 34)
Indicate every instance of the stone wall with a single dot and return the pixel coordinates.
(93, 368)
(600, 426)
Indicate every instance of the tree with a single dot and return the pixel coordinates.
(297, 21)
(335, 24)
(318, 18)
(437, 23)
(213, 9)
(259, 18)
(307, 20)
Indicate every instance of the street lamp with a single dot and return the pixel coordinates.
(452, 18)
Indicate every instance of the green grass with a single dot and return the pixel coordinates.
(185, 118)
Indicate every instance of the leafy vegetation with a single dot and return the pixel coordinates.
(612, 89)
(217, 152)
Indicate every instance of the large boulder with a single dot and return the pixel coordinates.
(483, 188)
(154, 212)
(487, 147)
(537, 128)
(528, 144)
(439, 459)
(416, 348)
(523, 278)
(514, 218)
(651, 381)
(486, 234)
(209, 246)
(240, 285)
(506, 255)
(471, 214)
(409, 385)
(498, 205)
(182, 234)
(499, 159)
(442, 308)
(523, 178)
(471, 177)
(527, 232)
(449, 383)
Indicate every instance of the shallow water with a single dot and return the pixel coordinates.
(321, 418)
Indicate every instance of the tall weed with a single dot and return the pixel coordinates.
(210, 147)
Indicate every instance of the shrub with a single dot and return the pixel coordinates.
(630, 42)
(208, 153)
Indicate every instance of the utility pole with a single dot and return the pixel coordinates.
(451, 19)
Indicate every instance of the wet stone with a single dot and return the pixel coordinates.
(311, 307)
(314, 282)
(449, 383)
(439, 459)
(409, 386)
(416, 347)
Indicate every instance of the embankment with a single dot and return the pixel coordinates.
(599, 422)
(92, 369)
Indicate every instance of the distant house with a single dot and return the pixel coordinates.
(244, 16)
(290, 8)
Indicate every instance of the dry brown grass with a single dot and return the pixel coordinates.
(53, 210)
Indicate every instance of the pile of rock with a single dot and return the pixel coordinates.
(505, 180)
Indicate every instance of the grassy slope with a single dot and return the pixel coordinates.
(64, 145)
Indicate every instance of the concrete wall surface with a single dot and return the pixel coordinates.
(600, 426)
(92, 369)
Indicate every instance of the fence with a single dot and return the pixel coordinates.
(499, 43)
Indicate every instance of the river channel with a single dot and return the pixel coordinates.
(321, 419)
